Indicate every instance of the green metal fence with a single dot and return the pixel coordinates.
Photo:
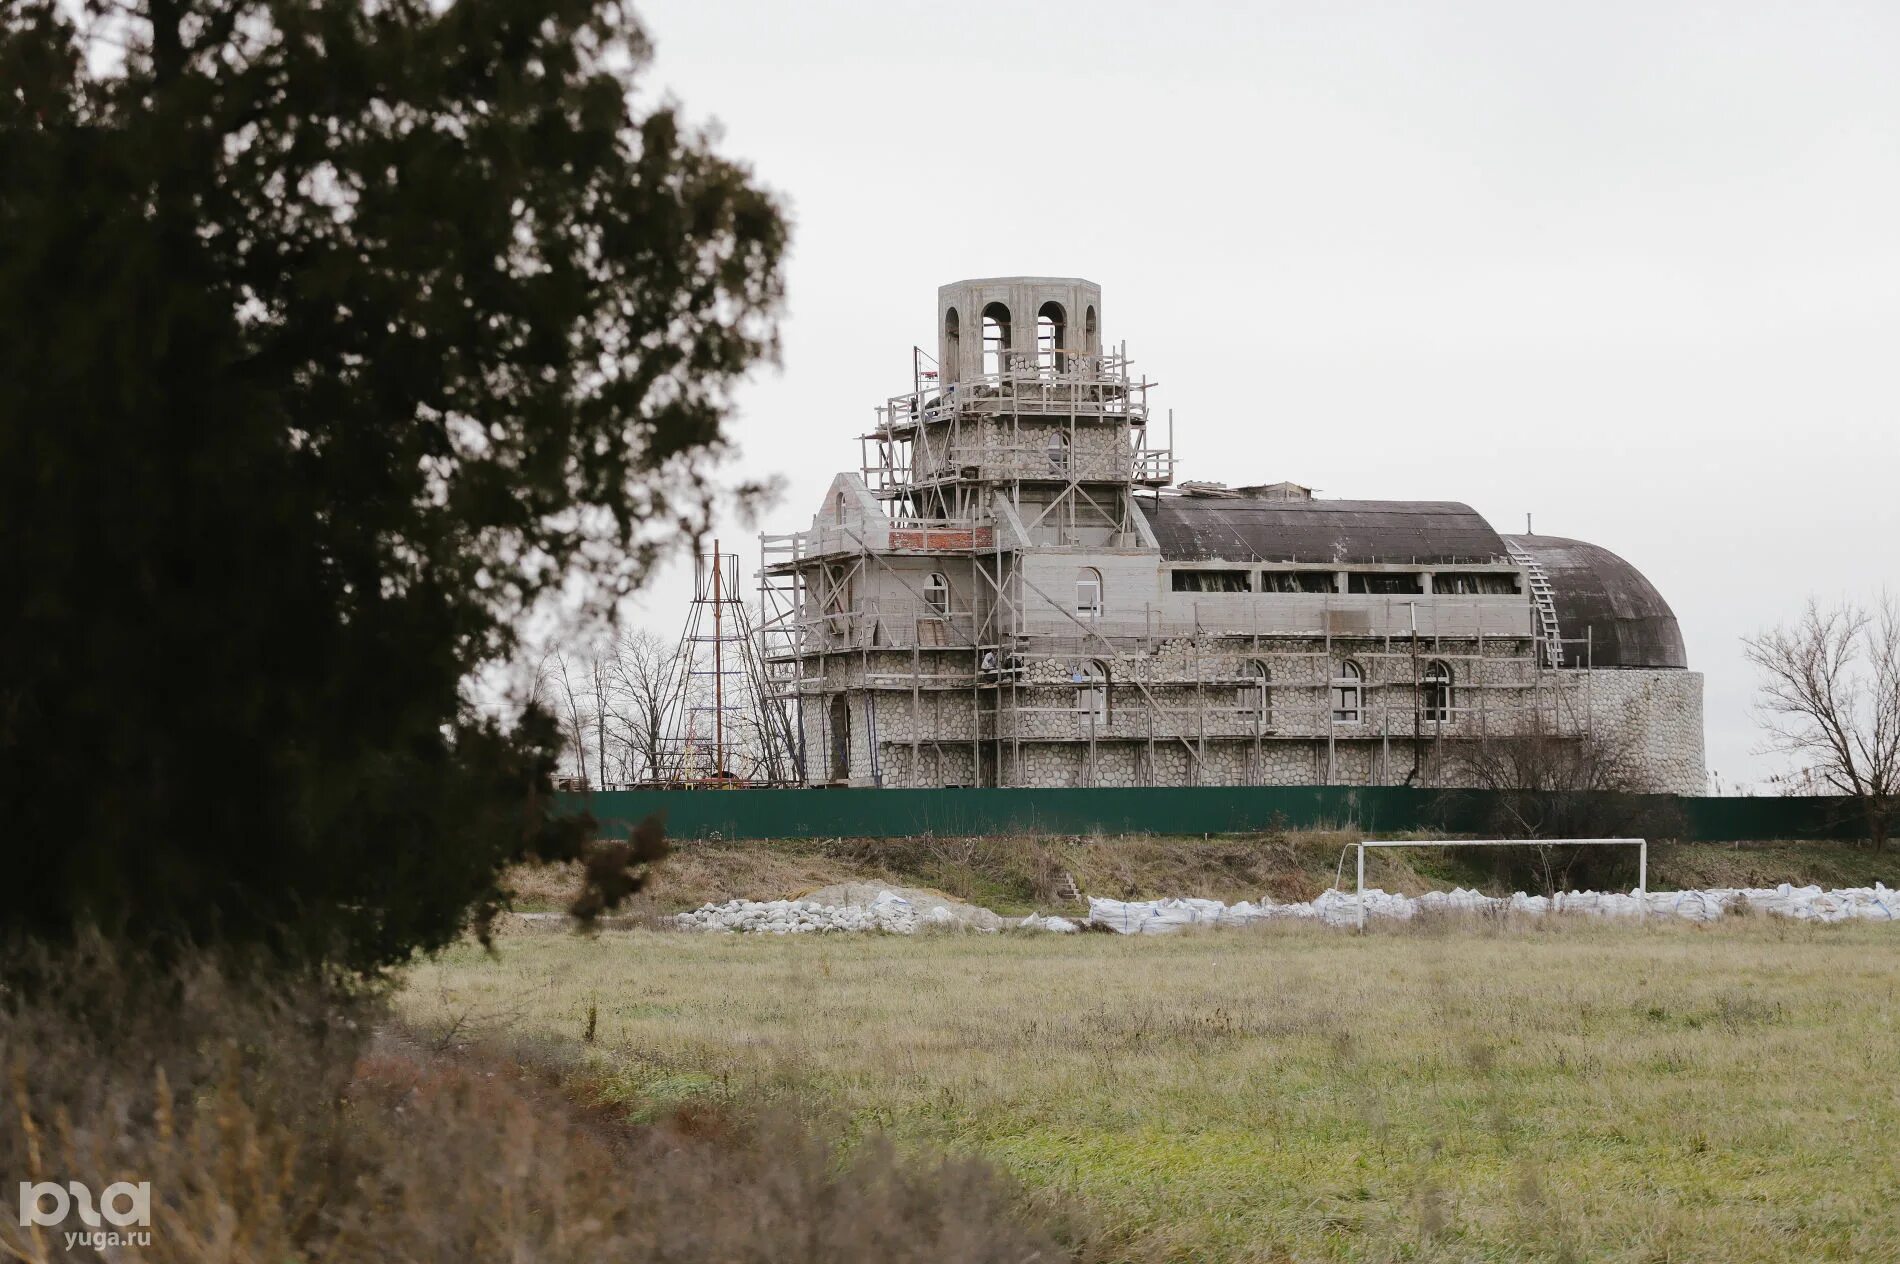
(1178, 810)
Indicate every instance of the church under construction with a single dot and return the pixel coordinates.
(1011, 591)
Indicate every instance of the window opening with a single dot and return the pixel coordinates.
(840, 738)
(1088, 593)
(1213, 581)
(1296, 581)
(1384, 582)
(1261, 690)
(1051, 332)
(995, 338)
(1091, 692)
(1348, 693)
(937, 594)
(1435, 690)
(1471, 583)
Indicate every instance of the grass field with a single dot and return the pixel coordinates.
(1562, 1091)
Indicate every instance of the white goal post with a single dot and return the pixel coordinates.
(1359, 882)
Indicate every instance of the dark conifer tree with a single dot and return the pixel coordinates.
(333, 335)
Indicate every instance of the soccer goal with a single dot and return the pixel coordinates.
(1359, 882)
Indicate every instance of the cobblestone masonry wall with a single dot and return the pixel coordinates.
(1218, 734)
(1656, 717)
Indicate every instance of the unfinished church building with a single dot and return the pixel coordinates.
(1010, 592)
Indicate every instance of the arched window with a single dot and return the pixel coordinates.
(1052, 325)
(1059, 452)
(1091, 692)
(840, 738)
(1435, 691)
(1088, 593)
(952, 345)
(937, 594)
(1088, 331)
(995, 338)
(1259, 693)
(1348, 692)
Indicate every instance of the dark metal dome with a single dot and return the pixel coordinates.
(1256, 529)
(1598, 593)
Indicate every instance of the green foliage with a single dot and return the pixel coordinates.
(335, 336)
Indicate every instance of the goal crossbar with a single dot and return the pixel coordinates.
(1359, 888)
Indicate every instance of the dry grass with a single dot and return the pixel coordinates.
(1686, 865)
(1480, 1092)
(273, 1127)
(1009, 874)
(1023, 874)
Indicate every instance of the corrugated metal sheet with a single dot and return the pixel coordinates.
(1598, 593)
(1175, 810)
(1196, 529)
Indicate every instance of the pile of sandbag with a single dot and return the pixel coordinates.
(1342, 908)
(854, 909)
(905, 912)
(888, 912)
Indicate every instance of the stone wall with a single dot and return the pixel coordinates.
(1651, 719)
(1160, 728)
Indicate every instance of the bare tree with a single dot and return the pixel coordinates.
(1545, 782)
(572, 705)
(622, 710)
(1831, 700)
(640, 678)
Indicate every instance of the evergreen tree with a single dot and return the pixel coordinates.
(334, 334)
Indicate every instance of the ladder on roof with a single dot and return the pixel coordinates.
(1544, 599)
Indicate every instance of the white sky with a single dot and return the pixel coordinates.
(1633, 267)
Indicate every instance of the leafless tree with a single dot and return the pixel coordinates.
(620, 709)
(573, 701)
(639, 678)
(1546, 781)
(1830, 699)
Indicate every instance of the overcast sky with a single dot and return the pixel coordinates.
(1632, 267)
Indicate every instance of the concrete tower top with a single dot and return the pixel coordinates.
(981, 320)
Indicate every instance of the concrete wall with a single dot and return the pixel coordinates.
(1024, 296)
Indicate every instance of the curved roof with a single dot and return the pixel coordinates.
(1599, 594)
(1250, 529)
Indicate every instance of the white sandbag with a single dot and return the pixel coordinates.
(1153, 917)
(887, 911)
(1343, 908)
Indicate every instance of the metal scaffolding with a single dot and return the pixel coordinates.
(721, 725)
(1049, 455)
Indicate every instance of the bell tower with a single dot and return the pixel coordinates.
(981, 323)
(1028, 416)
